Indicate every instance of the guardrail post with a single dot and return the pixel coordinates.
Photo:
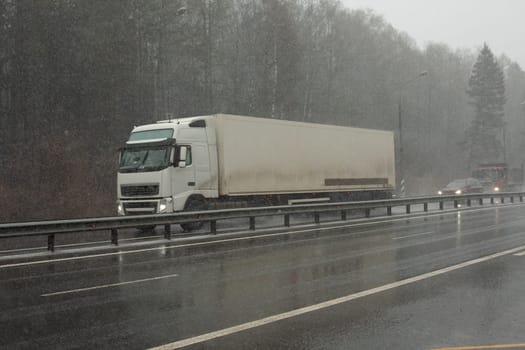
(287, 220)
(343, 210)
(167, 231)
(51, 242)
(114, 236)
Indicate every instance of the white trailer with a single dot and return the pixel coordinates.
(214, 161)
(267, 156)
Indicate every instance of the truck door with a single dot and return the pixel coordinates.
(201, 163)
(184, 179)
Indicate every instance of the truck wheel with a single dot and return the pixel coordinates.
(194, 204)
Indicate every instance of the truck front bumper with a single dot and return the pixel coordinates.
(145, 206)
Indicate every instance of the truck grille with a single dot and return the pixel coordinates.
(139, 208)
(141, 190)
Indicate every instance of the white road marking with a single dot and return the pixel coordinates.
(22, 249)
(39, 262)
(480, 347)
(108, 285)
(520, 253)
(326, 304)
(414, 235)
(75, 244)
(164, 248)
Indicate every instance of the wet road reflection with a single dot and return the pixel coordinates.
(230, 283)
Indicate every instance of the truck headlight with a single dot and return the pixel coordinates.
(458, 191)
(440, 193)
(163, 204)
(120, 209)
(496, 189)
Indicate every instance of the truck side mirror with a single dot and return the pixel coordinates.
(183, 152)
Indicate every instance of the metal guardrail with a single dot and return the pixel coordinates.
(113, 224)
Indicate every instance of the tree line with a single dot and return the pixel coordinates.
(75, 76)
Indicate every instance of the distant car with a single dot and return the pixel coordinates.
(462, 186)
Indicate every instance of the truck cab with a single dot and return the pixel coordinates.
(163, 165)
(496, 177)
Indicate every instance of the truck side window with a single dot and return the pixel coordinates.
(188, 156)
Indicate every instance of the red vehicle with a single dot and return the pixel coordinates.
(462, 186)
(496, 177)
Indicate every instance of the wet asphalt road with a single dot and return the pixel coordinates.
(159, 295)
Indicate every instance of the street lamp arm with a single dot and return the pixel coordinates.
(406, 82)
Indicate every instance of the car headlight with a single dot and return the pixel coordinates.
(496, 189)
(120, 209)
(440, 193)
(458, 191)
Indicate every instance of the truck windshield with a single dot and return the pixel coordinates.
(151, 134)
(135, 160)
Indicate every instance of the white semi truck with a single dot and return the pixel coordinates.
(221, 160)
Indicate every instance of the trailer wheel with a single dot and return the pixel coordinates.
(194, 204)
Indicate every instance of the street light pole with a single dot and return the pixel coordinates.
(504, 142)
(401, 174)
(400, 155)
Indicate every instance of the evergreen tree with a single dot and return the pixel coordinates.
(487, 93)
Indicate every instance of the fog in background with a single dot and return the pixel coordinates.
(457, 23)
(77, 75)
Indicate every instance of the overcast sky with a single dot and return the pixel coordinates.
(458, 23)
